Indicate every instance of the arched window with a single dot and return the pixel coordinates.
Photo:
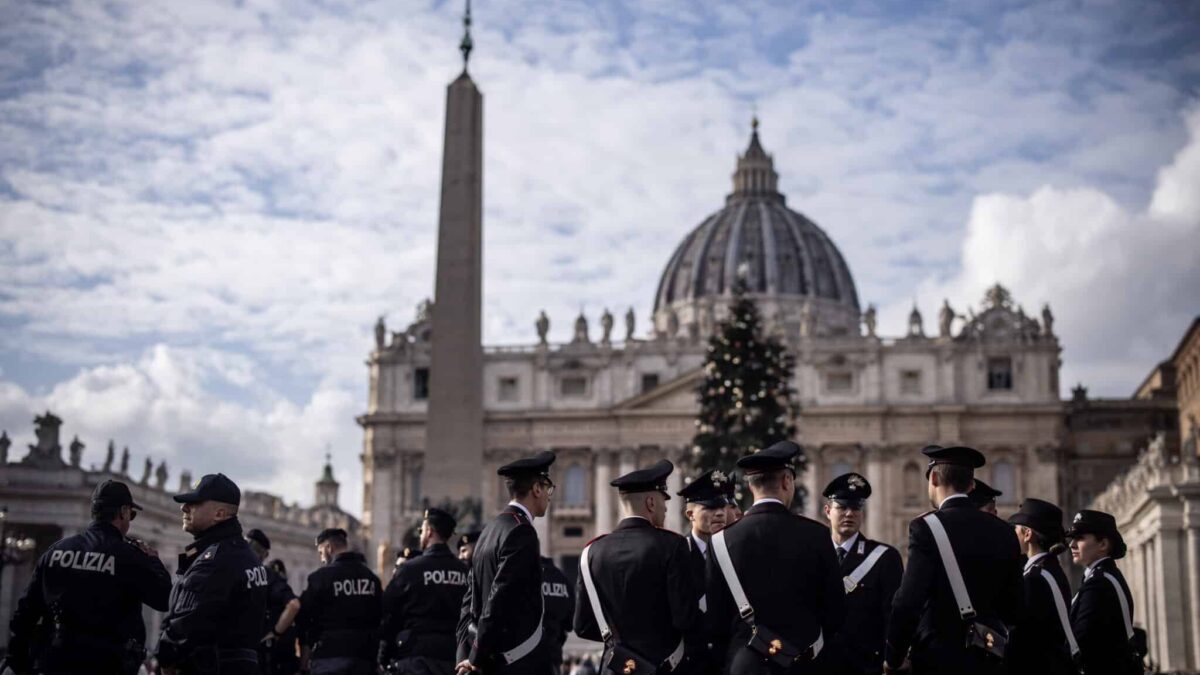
(913, 484)
(1004, 479)
(575, 486)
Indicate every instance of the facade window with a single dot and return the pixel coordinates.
(840, 468)
(508, 389)
(914, 484)
(839, 382)
(414, 489)
(910, 382)
(999, 374)
(420, 384)
(575, 486)
(649, 381)
(573, 385)
(572, 531)
(1004, 479)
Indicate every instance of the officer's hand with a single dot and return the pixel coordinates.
(465, 666)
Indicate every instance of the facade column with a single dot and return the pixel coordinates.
(675, 505)
(603, 504)
(543, 527)
(809, 480)
(880, 494)
(1171, 619)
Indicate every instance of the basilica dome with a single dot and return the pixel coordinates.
(793, 269)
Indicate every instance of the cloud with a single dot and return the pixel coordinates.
(1123, 284)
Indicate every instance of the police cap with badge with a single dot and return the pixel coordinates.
(849, 490)
(215, 487)
(956, 455)
(651, 479)
(112, 493)
(537, 466)
(711, 490)
(1103, 526)
(778, 456)
(1041, 517)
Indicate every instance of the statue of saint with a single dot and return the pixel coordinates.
(5, 444)
(109, 456)
(606, 325)
(160, 475)
(630, 324)
(581, 329)
(945, 319)
(869, 320)
(149, 466)
(76, 451)
(125, 461)
(380, 333)
(1047, 321)
(543, 327)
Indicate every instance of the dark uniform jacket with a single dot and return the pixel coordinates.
(93, 585)
(705, 657)
(858, 646)
(217, 605)
(560, 611)
(340, 609)
(280, 657)
(421, 606)
(503, 604)
(1038, 644)
(644, 576)
(790, 575)
(924, 613)
(1099, 628)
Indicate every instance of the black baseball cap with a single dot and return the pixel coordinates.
(260, 537)
(213, 487)
(113, 493)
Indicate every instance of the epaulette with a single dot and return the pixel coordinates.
(596, 539)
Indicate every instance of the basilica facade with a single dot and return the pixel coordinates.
(619, 396)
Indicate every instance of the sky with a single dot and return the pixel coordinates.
(204, 206)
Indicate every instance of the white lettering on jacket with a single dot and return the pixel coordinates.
(354, 587)
(87, 561)
(554, 590)
(446, 577)
(256, 577)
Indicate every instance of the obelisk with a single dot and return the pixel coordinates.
(454, 431)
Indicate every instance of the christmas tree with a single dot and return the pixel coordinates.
(746, 399)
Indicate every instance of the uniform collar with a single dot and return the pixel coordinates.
(107, 528)
(437, 549)
(1091, 569)
(349, 556)
(947, 499)
(226, 529)
(766, 500)
(516, 504)
(634, 521)
(701, 545)
(848, 545)
(1029, 564)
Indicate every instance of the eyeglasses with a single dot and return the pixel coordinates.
(549, 485)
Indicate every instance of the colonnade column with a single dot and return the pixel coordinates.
(876, 525)
(675, 484)
(603, 492)
(810, 483)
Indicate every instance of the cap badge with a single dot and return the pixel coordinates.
(1078, 517)
(856, 482)
(718, 478)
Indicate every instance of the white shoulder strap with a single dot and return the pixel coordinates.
(731, 577)
(1125, 613)
(593, 598)
(951, 564)
(855, 578)
(1061, 606)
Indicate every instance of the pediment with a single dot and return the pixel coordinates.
(677, 395)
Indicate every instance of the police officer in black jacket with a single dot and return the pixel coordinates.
(276, 653)
(644, 578)
(1039, 643)
(220, 597)
(560, 611)
(870, 571)
(707, 503)
(340, 611)
(1102, 613)
(82, 611)
(787, 568)
(925, 616)
(501, 622)
(422, 602)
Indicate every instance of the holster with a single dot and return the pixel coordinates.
(991, 641)
(773, 647)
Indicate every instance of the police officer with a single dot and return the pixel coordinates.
(786, 569)
(1102, 612)
(422, 603)
(501, 622)
(643, 578)
(983, 496)
(82, 611)
(870, 572)
(1040, 643)
(276, 654)
(925, 615)
(560, 610)
(220, 597)
(707, 503)
(340, 610)
(466, 546)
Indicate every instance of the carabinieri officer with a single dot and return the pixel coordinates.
(1040, 643)
(501, 622)
(1102, 613)
(642, 578)
(708, 498)
(871, 573)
